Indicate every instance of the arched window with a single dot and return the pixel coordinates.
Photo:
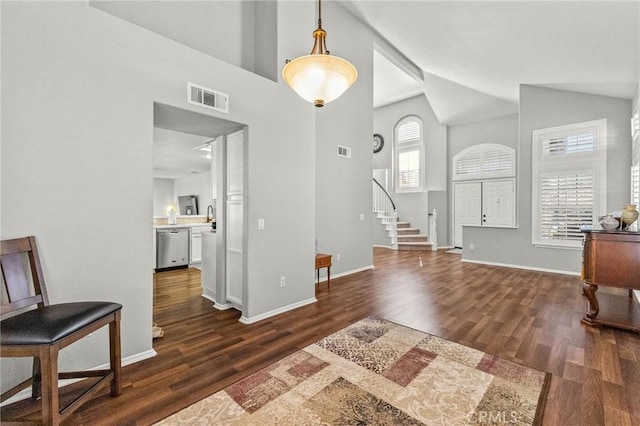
(408, 155)
(487, 160)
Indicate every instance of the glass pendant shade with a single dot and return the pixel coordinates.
(319, 78)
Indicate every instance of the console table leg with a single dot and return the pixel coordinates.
(589, 291)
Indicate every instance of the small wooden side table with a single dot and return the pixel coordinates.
(323, 261)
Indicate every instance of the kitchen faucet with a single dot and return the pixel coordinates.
(210, 209)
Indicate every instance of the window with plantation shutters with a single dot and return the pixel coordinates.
(409, 131)
(569, 182)
(635, 184)
(484, 161)
(566, 203)
(408, 155)
(635, 160)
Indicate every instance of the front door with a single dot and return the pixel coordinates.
(467, 208)
(498, 203)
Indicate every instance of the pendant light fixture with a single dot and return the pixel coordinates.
(319, 77)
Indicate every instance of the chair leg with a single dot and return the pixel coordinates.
(49, 375)
(115, 354)
(36, 383)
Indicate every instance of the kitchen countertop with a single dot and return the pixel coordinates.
(182, 225)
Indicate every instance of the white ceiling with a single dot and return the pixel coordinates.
(174, 156)
(474, 55)
(176, 133)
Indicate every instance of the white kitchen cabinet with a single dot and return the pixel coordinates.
(196, 242)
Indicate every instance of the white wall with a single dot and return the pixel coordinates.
(502, 130)
(194, 184)
(343, 186)
(541, 108)
(90, 135)
(208, 24)
(162, 196)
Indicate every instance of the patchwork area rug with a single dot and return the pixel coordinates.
(376, 372)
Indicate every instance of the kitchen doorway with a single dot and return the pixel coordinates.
(189, 160)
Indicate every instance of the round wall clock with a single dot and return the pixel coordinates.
(378, 142)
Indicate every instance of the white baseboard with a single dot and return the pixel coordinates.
(383, 246)
(208, 294)
(251, 320)
(531, 268)
(26, 393)
(222, 306)
(353, 271)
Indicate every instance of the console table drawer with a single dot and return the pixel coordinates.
(322, 261)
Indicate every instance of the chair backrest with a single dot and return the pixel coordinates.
(21, 275)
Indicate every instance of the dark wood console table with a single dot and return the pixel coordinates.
(611, 259)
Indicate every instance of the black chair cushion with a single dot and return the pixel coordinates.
(49, 324)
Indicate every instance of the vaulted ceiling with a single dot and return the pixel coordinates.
(468, 58)
(475, 54)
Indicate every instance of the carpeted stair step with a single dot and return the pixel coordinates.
(414, 246)
(408, 231)
(417, 238)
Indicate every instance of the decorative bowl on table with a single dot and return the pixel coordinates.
(608, 222)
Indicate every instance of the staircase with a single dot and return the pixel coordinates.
(401, 235)
(410, 238)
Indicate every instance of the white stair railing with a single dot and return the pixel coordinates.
(385, 210)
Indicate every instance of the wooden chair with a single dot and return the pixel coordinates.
(42, 332)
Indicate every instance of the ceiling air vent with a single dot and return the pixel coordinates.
(344, 151)
(207, 98)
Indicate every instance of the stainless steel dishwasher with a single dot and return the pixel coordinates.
(172, 248)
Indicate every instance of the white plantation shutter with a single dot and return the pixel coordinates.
(469, 165)
(635, 185)
(566, 204)
(569, 181)
(635, 160)
(496, 160)
(409, 131)
(569, 144)
(409, 155)
(483, 161)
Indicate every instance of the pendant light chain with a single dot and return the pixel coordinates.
(320, 36)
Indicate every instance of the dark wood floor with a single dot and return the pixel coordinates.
(529, 317)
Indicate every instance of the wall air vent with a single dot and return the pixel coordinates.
(344, 151)
(207, 98)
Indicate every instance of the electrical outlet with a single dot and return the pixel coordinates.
(283, 281)
(361, 216)
(260, 223)
(472, 246)
(338, 257)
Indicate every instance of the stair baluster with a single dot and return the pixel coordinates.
(385, 210)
